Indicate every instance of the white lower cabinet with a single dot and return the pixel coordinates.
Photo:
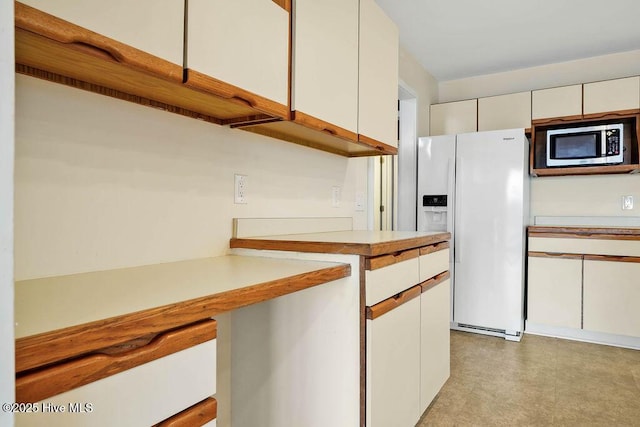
(393, 363)
(555, 291)
(141, 396)
(434, 340)
(611, 295)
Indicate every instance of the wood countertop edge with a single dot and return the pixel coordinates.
(346, 248)
(621, 233)
(42, 349)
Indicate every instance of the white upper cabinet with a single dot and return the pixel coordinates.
(325, 61)
(454, 117)
(378, 71)
(155, 28)
(505, 111)
(555, 102)
(244, 43)
(612, 95)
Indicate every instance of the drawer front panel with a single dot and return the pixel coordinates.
(585, 246)
(144, 395)
(385, 282)
(433, 264)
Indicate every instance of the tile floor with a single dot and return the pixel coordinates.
(538, 382)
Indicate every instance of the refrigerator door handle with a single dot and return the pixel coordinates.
(457, 249)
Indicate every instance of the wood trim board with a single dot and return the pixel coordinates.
(47, 382)
(387, 260)
(195, 416)
(385, 306)
(554, 255)
(434, 281)
(434, 248)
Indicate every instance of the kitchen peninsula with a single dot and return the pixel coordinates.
(399, 312)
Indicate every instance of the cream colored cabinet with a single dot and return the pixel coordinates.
(611, 295)
(435, 365)
(393, 361)
(454, 117)
(145, 24)
(144, 395)
(612, 95)
(378, 75)
(554, 292)
(564, 101)
(325, 61)
(505, 111)
(244, 43)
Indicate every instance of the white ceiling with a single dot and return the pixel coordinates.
(454, 39)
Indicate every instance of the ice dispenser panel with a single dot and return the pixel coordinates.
(434, 209)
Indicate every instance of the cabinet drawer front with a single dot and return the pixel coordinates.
(144, 395)
(140, 24)
(585, 246)
(434, 263)
(385, 282)
(611, 295)
(393, 367)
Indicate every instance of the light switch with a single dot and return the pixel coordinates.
(627, 202)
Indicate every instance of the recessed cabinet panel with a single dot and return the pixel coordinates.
(612, 95)
(378, 70)
(505, 112)
(611, 295)
(393, 367)
(434, 341)
(454, 117)
(325, 61)
(554, 295)
(242, 42)
(143, 24)
(557, 102)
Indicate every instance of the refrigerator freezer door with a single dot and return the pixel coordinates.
(491, 187)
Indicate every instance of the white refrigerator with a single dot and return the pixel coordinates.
(484, 176)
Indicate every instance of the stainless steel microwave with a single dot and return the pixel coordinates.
(589, 145)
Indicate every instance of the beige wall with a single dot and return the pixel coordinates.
(573, 195)
(423, 84)
(101, 183)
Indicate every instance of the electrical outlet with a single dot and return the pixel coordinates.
(627, 202)
(335, 196)
(240, 189)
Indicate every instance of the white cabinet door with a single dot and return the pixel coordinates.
(612, 95)
(555, 102)
(378, 71)
(505, 111)
(554, 292)
(325, 61)
(393, 367)
(434, 341)
(611, 295)
(244, 43)
(154, 27)
(451, 118)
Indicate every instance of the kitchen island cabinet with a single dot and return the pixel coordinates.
(389, 304)
(583, 283)
(139, 343)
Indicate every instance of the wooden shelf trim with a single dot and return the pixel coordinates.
(383, 307)
(612, 258)
(38, 385)
(195, 416)
(603, 233)
(365, 249)
(434, 248)
(434, 281)
(285, 4)
(554, 255)
(42, 349)
(585, 170)
(383, 148)
(387, 260)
